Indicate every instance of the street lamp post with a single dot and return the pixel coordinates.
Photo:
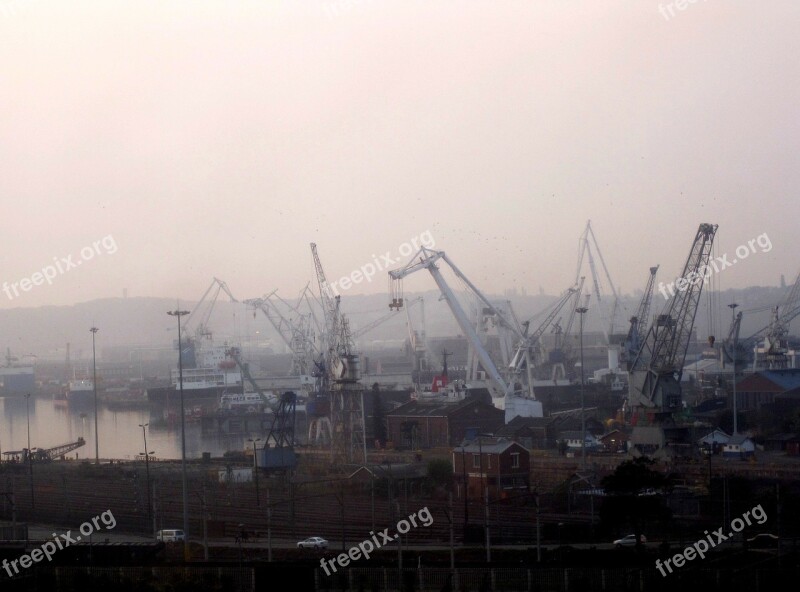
(30, 456)
(94, 331)
(147, 470)
(485, 494)
(735, 421)
(255, 469)
(179, 314)
(582, 310)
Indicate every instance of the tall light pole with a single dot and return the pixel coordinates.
(485, 495)
(94, 330)
(30, 456)
(147, 469)
(735, 421)
(179, 314)
(582, 310)
(255, 468)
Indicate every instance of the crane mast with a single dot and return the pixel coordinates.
(655, 377)
(341, 377)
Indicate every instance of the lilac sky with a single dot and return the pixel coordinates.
(220, 138)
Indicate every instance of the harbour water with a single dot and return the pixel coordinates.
(120, 437)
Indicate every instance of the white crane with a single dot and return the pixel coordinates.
(341, 376)
(587, 247)
(504, 395)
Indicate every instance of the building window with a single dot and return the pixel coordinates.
(515, 460)
(476, 461)
(488, 461)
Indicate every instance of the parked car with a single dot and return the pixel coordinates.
(764, 540)
(313, 543)
(171, 536)
(629, 541)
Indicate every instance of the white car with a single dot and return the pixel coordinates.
(313, 543)
(629, 541)
(170, 536)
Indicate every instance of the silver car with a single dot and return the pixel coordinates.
(629, 541)
(313, 543)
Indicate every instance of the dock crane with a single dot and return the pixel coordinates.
(654, 387)
(296, 333)
(772, 354)
(768, 347)
(587, 245)
(202, 312)
(528, 352)
(504, 395)
(341, 377)
(639, 322)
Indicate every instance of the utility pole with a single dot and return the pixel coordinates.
(147, 467)
(488, 545)
(733, 306)
(179, 314)
(538, 534)
(582, 310)
(450, 516)
(30, 456)
(269, 528)
(94, 330)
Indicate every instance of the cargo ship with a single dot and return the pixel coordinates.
(208, 373)
(80, 393)
(16, 378)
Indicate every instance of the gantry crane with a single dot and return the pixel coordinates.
(585, 249)
(504, 394)
(654, 386)
(341, 378)
(202, 312)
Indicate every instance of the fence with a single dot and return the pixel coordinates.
(550, 580)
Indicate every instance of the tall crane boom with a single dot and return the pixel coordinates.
(654, 385)
(586, 244)
(638, 328)
(427, 259)
(658, 365)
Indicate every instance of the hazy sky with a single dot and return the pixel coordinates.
(220, 138)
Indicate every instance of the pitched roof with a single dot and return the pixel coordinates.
(770, 381)
(488, 445)
(738, 439)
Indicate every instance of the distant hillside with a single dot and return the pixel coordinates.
(143, 322)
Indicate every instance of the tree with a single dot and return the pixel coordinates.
(629, 490)
(440, 471)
